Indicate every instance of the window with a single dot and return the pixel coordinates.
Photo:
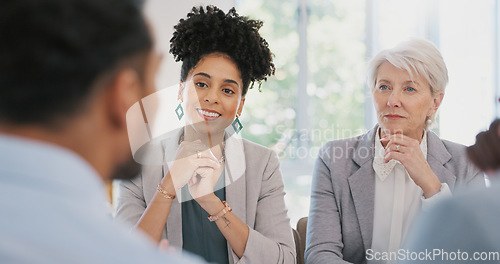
(341, 37)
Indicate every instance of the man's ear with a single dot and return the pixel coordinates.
(123, 92)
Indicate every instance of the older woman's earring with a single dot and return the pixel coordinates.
(428, 121)
(179, 111)
(237, 124)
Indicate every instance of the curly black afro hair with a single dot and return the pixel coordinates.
(208, 30)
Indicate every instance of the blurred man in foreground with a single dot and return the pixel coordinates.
(69, 71)
(465, 228)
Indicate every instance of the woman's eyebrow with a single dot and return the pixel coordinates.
(412, 82)
(232, 81)
(209, 77)
(204, 74)
(383, 80)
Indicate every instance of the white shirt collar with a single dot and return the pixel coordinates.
(382, 169)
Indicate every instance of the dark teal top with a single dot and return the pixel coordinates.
(199, 235)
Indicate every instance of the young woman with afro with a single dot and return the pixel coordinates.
(215, 195)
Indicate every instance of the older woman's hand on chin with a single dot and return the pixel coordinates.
(407, 151)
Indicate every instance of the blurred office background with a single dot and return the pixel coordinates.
(321, 49)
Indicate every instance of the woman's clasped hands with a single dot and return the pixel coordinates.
(197, 166)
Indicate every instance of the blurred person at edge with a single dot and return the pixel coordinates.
(69, 71)
(467, 223)
(214, 194)
(367, 190)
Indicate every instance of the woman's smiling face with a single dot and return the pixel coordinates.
(212, 94)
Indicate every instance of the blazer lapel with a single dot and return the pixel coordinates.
(437, 157)
(362, 181)
(235, 182)
(174, 221)
(235, 176)
(174, 224)
(362, 185)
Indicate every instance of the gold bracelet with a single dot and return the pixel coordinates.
(220, 214)
(164, 192)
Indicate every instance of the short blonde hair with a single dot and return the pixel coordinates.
(415, 56)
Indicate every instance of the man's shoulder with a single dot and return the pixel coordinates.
(57, 223)
(62, 236)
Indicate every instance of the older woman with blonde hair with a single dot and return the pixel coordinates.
(366, 190)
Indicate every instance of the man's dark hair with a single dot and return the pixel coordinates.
(485, 153)
(53, 51)
(208, 30)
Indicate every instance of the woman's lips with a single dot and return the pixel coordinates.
(393, 117)
(208, 114)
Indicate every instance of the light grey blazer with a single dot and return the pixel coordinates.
(340, 224)
(254, 190)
